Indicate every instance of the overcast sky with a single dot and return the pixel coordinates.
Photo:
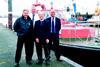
(19, 5)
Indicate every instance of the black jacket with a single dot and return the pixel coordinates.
(23, 26)
(57, 22)
(41, 30)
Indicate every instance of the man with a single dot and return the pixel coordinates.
(23, 26)
(73, 19)
(54, 28)
(41, 38)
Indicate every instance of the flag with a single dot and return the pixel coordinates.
(74, 5)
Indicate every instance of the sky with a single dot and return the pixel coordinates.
(83, 6)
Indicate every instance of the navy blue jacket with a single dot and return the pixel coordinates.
(23, 26)
(41, 29)
(57, 27)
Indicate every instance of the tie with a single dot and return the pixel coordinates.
(53, 26)
(41, 22)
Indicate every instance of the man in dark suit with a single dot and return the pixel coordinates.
(41, 38)
(54, 28)
(23, 26)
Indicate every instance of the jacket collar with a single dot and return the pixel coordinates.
(28, 18)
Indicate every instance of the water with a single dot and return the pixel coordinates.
(4, 21)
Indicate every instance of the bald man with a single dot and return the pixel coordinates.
(54, 28)
(41, 38)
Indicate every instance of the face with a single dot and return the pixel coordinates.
(72, 16)
(25, 13)
(52, 13)
(41, 15)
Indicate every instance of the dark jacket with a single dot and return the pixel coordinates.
(41, 30)
(23, 26)
(57, 22)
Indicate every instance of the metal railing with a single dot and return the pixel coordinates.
(92, 24)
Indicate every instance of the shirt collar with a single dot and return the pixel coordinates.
(42, 20)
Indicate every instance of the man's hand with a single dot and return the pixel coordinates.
(37, 40)
(47, 41)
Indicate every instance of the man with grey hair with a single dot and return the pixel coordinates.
(41, 38)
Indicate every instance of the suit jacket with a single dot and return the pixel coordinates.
(41, 30)
(57, 24)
